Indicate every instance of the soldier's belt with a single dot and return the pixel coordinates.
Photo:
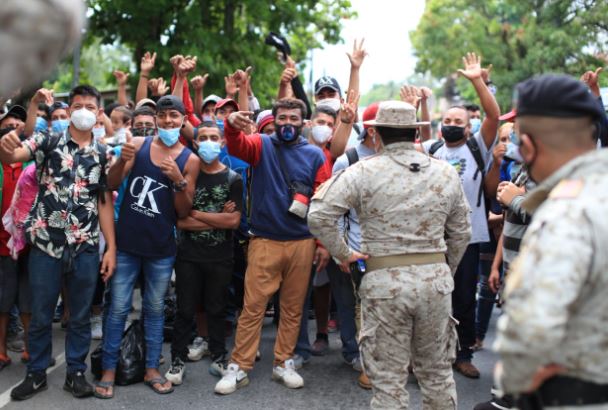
(393, 261)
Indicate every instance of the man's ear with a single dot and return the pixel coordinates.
(527, 148)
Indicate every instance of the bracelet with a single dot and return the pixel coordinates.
(180, 186)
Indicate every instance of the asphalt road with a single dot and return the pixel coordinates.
(329, 384)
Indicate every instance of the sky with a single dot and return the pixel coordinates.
(385, 25)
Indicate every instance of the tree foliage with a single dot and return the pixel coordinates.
(223, 34)
(519, 38)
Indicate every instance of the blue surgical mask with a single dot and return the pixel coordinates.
(209, 151)
(220, 123)
(41, 125)
(60, 125)
(475, 125)
(513, 153)
(169, 137)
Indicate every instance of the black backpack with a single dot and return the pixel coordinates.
(476, 152)
(351, 155)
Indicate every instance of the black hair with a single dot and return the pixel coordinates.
(472, 107)
(208, 124)
(393, 135)
(144, 111)
(45, 108)
(324, 110)
(110, 107)
(289, 104)
(85, 90)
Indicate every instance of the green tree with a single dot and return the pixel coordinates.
(223, 34)
(519, 38)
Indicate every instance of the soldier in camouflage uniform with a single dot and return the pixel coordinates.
(413, 216)
(553, 339)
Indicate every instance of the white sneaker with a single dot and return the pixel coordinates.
(176, 373)
(234, 378)
(198, 349)
(96, 327)
(288, 375)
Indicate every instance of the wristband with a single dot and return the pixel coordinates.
(180, 186)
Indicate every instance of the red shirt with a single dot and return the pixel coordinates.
(11, 175)
(329, 162)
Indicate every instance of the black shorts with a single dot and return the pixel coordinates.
(14, 285)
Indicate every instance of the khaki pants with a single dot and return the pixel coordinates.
(273, 265)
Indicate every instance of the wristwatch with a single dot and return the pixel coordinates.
(180, 186)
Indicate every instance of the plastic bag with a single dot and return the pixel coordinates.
(131, 358)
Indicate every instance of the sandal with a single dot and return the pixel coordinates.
(158, 380)
(104, 385)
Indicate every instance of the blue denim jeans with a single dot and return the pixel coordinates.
(45, 274)
(157, 274)
(343, 293)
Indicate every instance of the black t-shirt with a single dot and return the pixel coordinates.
(211, 193)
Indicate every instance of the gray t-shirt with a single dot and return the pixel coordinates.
(463, 161)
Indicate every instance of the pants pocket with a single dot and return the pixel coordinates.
(451, 339)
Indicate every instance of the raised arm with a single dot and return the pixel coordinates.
(121, 79)
(473, 72)
(356, 59)
(246, 147)
(288, 75)
(42, 96)
(198, 83)
(347, 115)
(242, 79)
(145, 68)
(425, 115)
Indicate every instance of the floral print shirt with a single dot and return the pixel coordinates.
(65, 212)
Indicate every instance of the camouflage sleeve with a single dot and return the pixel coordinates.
(332, 200)
(458, 223)
(544, 283)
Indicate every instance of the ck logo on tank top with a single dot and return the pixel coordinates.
(144, 188)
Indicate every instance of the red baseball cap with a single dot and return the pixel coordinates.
(370, 113)
(226, 101)
(510, 116)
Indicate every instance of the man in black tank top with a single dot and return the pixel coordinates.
(161, 176)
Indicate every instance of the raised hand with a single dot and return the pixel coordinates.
(240, 120)
(121, 77)
(472, 67)
(289, 73)
(410, 95)
(348, 110)
(485, 73)
(43, 96)
(199, 82)
(153, 85)
(358, 55)
(230, 85)
(591, 78)
(425, 93)
(186, 66)
(161, 88)
(147, 63)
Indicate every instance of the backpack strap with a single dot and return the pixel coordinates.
(435, 147)
(352, 155)
(481, 166)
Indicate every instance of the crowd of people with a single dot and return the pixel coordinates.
(408, 231)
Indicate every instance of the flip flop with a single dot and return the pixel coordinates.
(104, 385)
(158, 380)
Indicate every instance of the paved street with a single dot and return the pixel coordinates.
(330, 384)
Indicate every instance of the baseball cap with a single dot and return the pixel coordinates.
(556, 95)
(327, 82)
(264, 118)
(211, 98)
(170, 102)
(224, 102)
(509, 117)
(15, 111)
(146, 102)
(57, 105)
(368, 115)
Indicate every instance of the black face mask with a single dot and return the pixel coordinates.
(452, 133)
(143, 132)
(288, 132)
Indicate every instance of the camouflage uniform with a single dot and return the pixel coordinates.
(402, 212)
(557, 291)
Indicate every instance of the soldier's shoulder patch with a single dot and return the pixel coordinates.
(324, 187)
(567, 189)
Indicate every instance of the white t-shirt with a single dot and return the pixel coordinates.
(463, 161)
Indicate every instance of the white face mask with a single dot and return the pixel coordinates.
(99, 132)
(321, 133)
(333, 103)
(83, 119)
